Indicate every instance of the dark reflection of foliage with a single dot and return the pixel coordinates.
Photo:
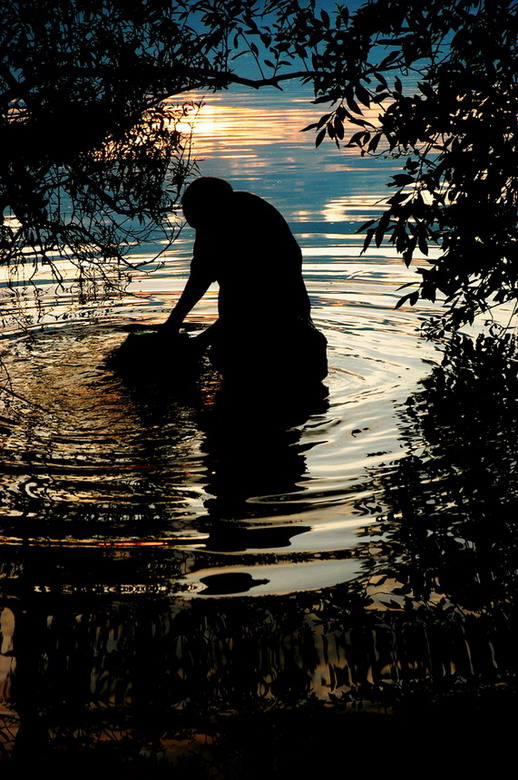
(452, 528)
(141, 677)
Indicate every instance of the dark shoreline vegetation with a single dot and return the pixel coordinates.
(112, 667)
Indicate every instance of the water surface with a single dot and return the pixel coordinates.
(167, 533)
(125, 466)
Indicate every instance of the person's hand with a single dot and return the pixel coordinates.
(167, 332)
(198, 344)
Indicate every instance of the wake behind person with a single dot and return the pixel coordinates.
(264, 328)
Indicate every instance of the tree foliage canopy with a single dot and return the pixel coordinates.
(458, 189)
(95, 158)
(94, 161)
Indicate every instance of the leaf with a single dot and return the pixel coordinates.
(408, 253)
(363, 95)
(323, 119)
(381, 78)
(389, 59)
(426, 89)
(324, 99)
(356, 138)
(400, 179)
(362, 122)
(382, 226)
(410, 297)
(423, 245)
(338, 127)
(353, 105)
(373, 143)
(320, 137)
(366, 225)
(368, 239)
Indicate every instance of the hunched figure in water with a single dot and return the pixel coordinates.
(243, 243)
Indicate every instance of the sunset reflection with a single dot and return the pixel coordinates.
(212, 120)
(262, 134)
(339, 209)
(257, 119)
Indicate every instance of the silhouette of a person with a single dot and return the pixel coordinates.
(245, 245)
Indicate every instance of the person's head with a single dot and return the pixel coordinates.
(205, 199)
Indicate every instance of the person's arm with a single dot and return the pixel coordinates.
(197, 285)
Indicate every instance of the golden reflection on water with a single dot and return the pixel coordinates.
(216, 121)
(213, 119)
(150, 474)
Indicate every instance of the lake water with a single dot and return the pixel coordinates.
(166, 551)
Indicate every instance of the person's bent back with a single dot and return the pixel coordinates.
(245, 244)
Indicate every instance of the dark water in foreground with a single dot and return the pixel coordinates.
(187, 578)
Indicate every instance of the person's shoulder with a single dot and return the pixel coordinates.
(248, 202)
(242, 197)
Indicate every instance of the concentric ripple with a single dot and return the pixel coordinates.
(237, 498)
